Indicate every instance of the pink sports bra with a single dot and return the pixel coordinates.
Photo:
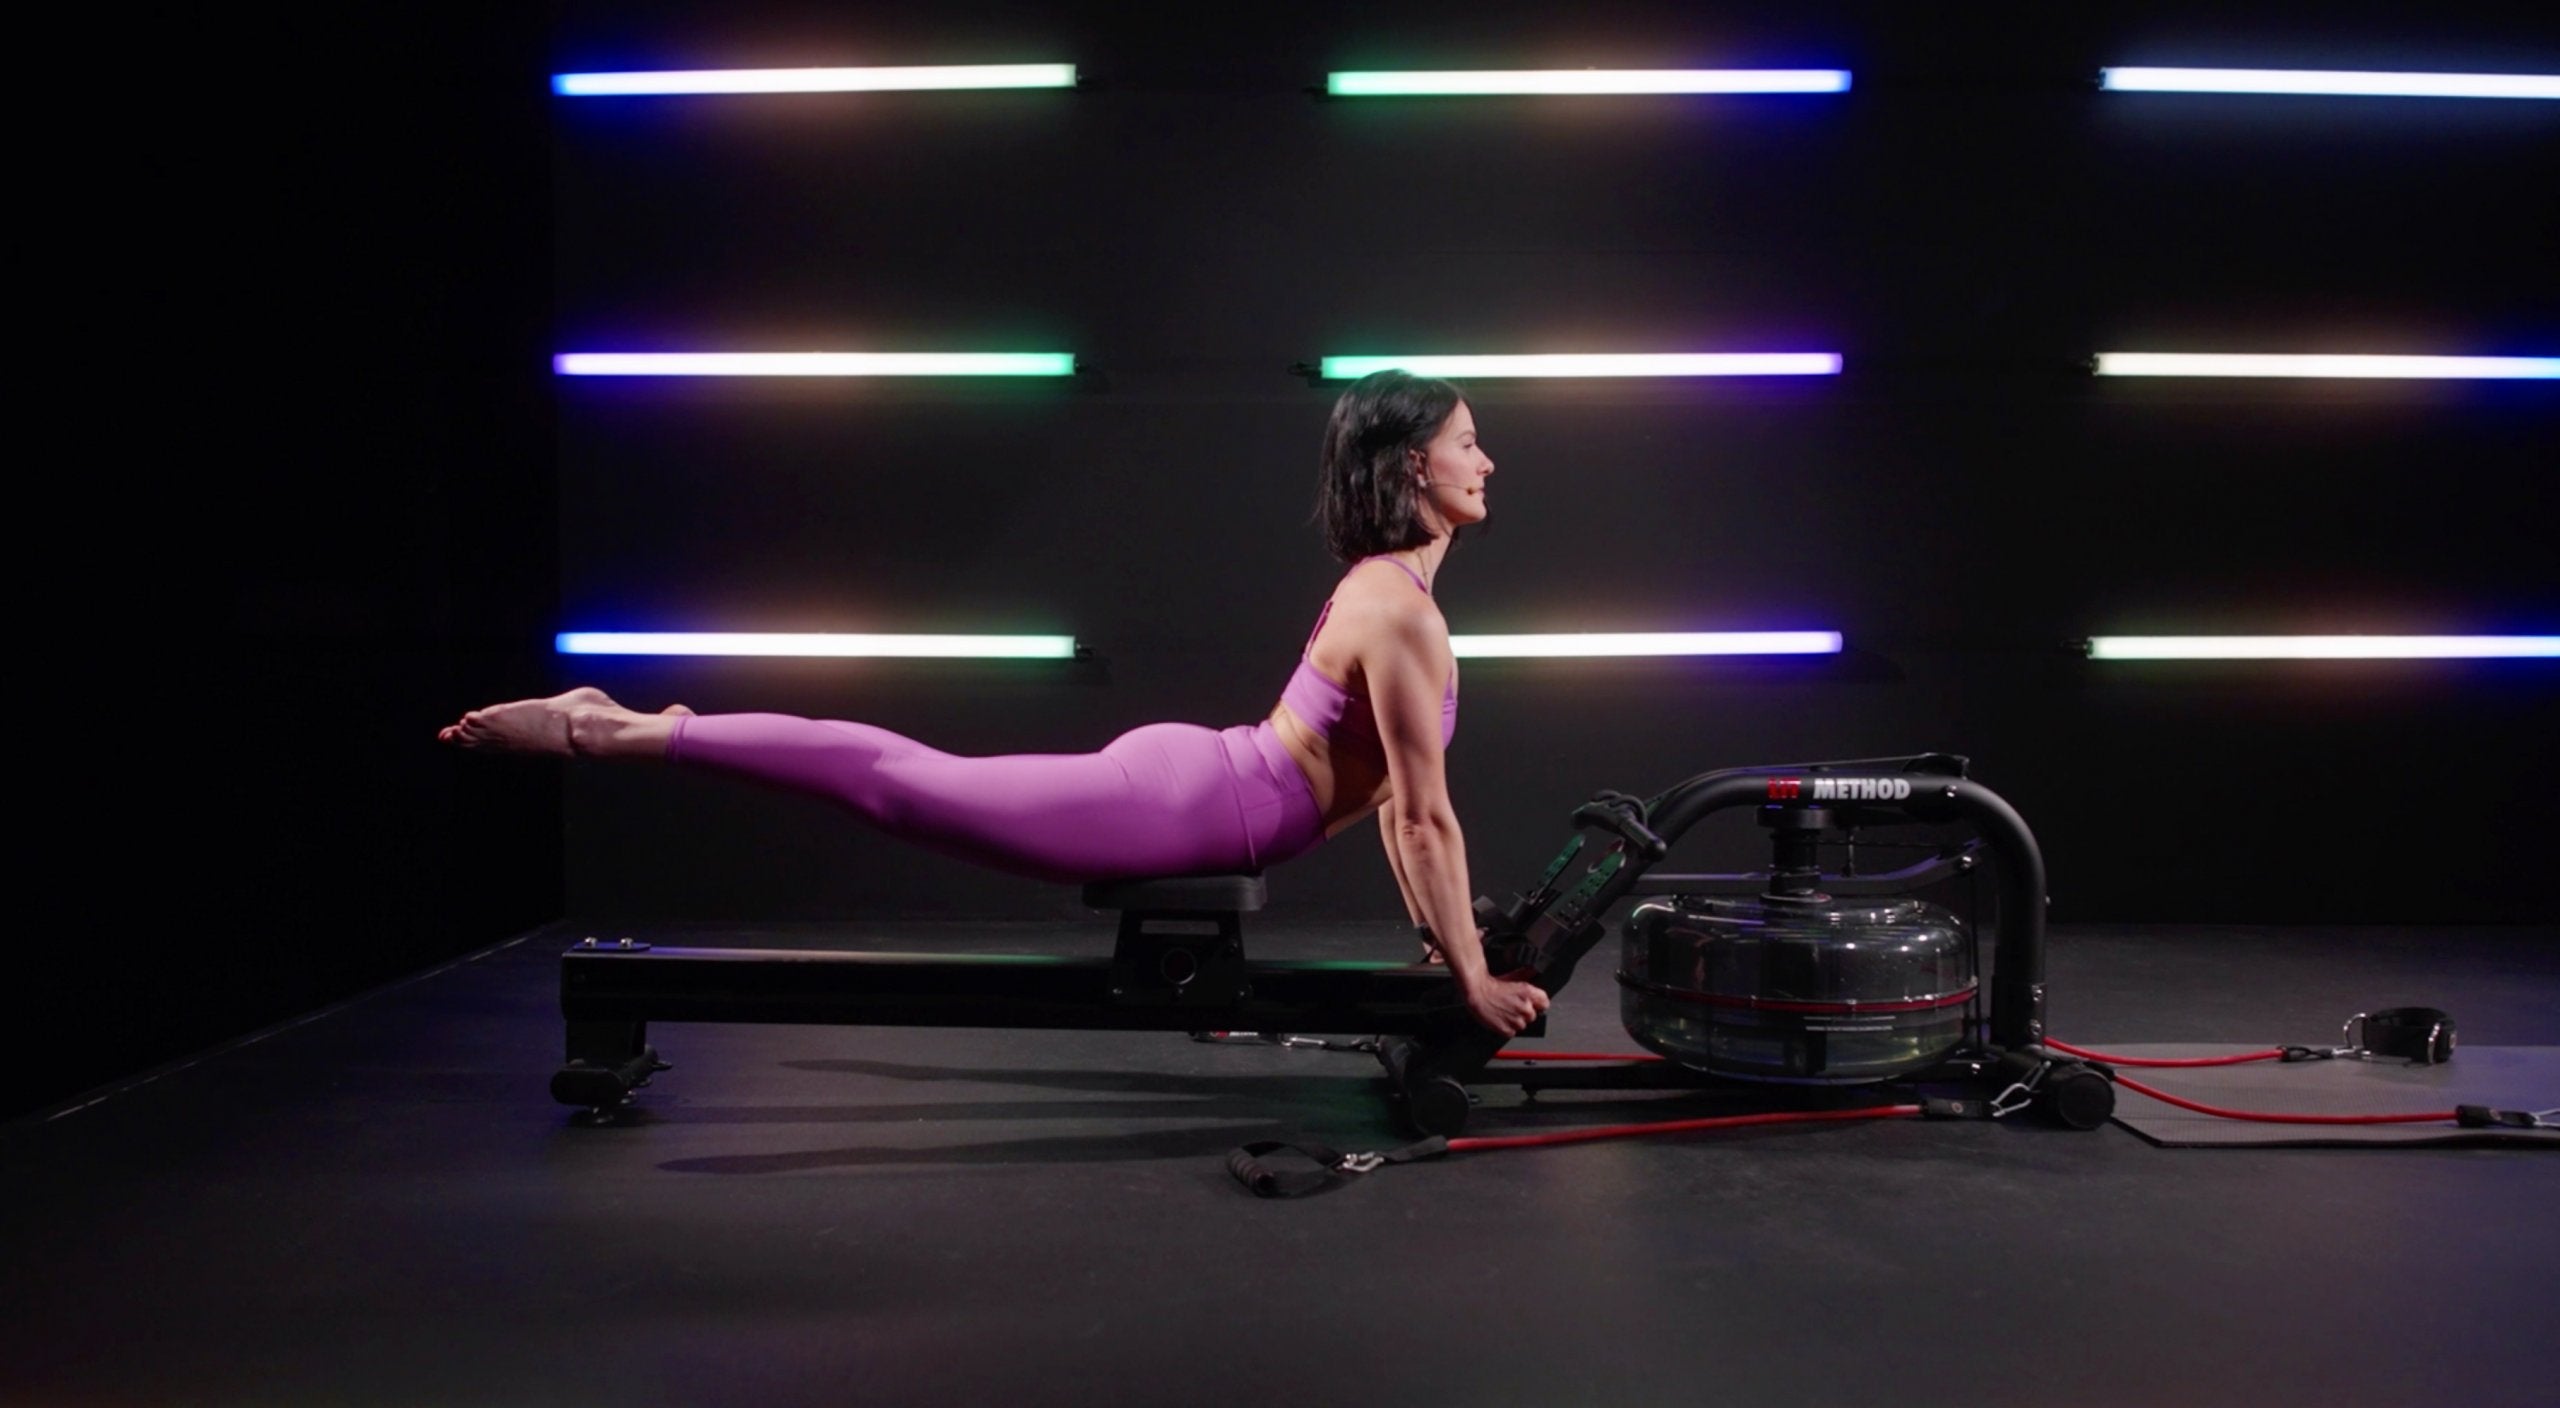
(1327, 708)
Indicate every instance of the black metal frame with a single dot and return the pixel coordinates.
(1178, 966)
(1179, 963)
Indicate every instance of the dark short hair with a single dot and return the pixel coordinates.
(1365, 496)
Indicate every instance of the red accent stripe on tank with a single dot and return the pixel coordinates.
(1841, 1008)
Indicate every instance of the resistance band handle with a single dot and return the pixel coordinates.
(1267, 1182)
(2420, 1034)
(2483, 1117)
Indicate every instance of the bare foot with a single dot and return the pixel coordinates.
(524, 726)
(677, 711)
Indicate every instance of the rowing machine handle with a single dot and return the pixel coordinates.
(1622, 816)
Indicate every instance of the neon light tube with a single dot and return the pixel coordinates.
(1469, 83)
(814, 364)
(2322, 647)
(1607, 364)
(1671, 643)
(812, 80)
(923, 647)
(2217, 364)
(2338, 83)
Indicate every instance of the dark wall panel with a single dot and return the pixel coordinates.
(318, 525)
(1966, 226)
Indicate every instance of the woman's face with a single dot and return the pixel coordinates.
(1452, 470)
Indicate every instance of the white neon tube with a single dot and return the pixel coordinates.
(1595, 365)
(2331, 82)
(2424, 368)
(2322, 647)
(1660, 643)
(1463, 82)
(812, 80)
(835, 646)
(814, 364)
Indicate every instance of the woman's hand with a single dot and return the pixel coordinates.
(1505, 1006)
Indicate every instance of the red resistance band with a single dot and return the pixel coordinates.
(2272, 1053)
(2275, 1054)
(1629, 1131)
(2128, 1082)
(1267, 1182)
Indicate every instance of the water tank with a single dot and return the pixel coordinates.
(1818, 991)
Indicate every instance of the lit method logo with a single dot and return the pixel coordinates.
(1841, 789)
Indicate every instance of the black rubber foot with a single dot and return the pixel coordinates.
(1437, 1105)
(602, 1087)
(591, 1086)
(2079, 1098)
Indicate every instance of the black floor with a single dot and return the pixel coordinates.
(380, 1205)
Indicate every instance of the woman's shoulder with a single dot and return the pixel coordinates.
(1377, 596)
(1384, 579)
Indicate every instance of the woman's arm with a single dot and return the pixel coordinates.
(1395, 861)
(1407, 665)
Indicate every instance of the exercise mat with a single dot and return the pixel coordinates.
(2500, 1077)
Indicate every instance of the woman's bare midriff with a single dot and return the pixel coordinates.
(1349, 784)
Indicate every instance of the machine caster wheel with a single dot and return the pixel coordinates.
(1437, 1105)
(2067, 1093)
(2076, 1097)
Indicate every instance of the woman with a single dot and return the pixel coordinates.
(1402, 472)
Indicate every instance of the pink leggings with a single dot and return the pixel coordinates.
(1165, 799)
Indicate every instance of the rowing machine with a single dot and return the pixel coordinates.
(1788, 976)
